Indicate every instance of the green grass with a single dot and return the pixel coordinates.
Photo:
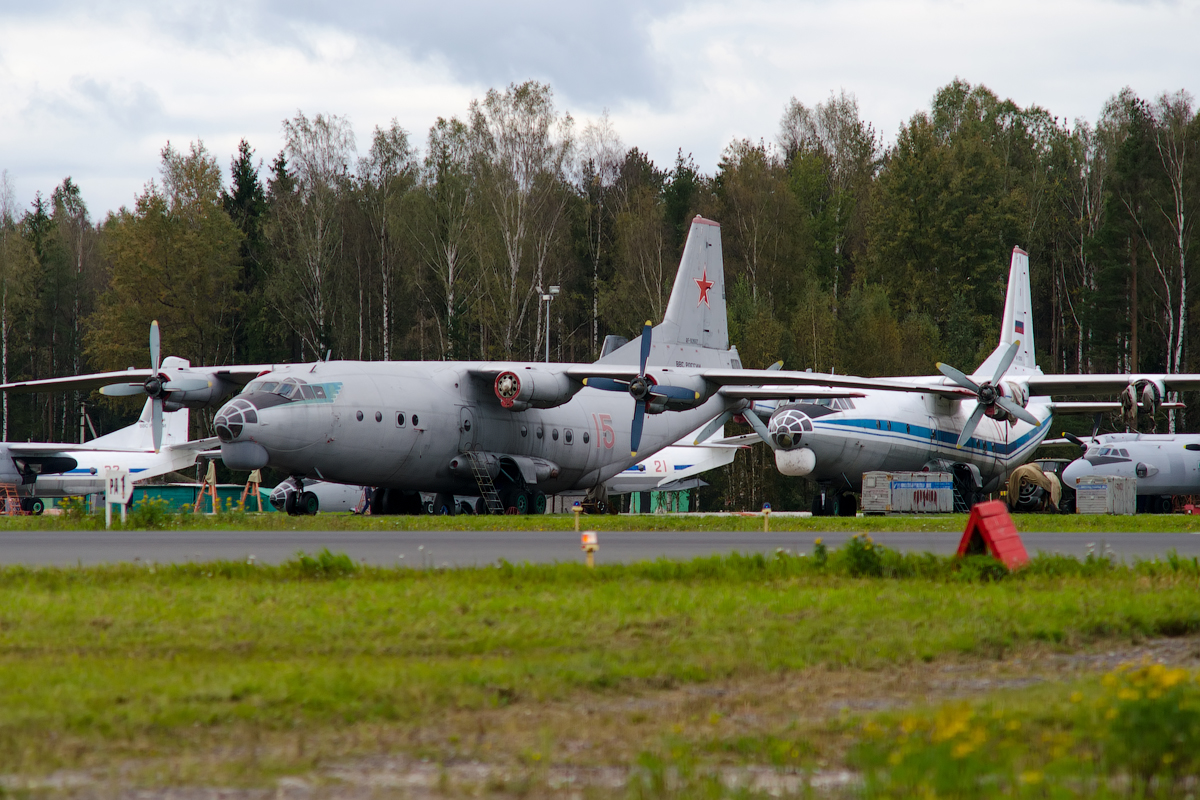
(106, 663)
(1167, 523)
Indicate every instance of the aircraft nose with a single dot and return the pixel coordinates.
(787, 427)
(233, 418)
(1076, 469)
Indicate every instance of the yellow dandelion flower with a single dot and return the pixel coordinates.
(1031, 777)
(1076, 697)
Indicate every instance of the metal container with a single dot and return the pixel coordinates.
(908, 492)
(1105, 494)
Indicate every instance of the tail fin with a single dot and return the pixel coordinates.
(695, 314)
(140, 435)
(1018, 321)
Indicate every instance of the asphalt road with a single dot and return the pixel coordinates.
(467, 548)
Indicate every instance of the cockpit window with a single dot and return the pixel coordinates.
(319, 391)
(307, 391)
(1125, 452)
(1105, 451)
(267, 386)
(286, 390)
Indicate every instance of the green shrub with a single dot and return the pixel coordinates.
(149, 513)
(862, 557)
(1152, 715)
(323, 565)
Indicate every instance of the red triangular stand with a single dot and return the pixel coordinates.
(991, 530)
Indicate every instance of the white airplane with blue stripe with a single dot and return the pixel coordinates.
(49, 469)
(979, 427)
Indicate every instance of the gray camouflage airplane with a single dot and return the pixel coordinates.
(510, 432)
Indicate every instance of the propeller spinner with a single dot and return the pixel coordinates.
(989, 395)
(642, 389)
(157, 387)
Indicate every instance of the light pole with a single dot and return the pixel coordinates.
(547, 299)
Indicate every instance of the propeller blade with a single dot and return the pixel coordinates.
(958, 377)
(1096, 424)
(635, 433)
(675, 392)
(1075, 440)
(972, 423)
(646, 334)
(606, 384)
(776, 365)
(155, 342)
(186, 385)
(156, 423)
(713, 427)
(1017, 411)
(759, 426)
(1006, 362)
(122, 389)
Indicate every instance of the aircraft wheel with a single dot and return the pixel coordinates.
(466, 507)
(1163, 505)
(308, 504)
(37, 506)
(817, 508)
(481, 507)
(847, 505)
(521, 502)
(443, 505)
(539, 503)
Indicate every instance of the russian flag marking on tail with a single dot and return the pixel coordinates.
(1019, 326)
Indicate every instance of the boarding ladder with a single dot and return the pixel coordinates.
(10, 501)
(487, 489)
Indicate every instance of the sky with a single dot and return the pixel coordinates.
(94, 90)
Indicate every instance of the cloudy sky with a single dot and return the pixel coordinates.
(95, 89)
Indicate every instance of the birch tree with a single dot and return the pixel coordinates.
(384, 175)
(524, 149)
(601, 156)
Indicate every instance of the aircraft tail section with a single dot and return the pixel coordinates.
(1018, 322)
(140, 435)
(695, 319)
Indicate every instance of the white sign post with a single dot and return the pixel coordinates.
(117, 489)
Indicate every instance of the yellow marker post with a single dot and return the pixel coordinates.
(589, 544)
(578, 509)
(766, 517)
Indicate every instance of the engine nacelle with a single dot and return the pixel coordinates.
(519, 389)
(656, 404)
(1152, 393)
(1015, 392)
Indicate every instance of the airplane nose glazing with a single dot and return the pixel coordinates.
(232, 419)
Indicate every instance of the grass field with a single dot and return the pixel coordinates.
(653, 679)
(156, 517)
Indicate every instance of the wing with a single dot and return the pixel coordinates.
(1051, 385)
(1068, 407)
(240, 375)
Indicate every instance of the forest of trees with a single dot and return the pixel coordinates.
(841, 254)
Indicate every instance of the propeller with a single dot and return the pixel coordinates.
(717, 423)
(156, 387)
(1080, 443)
(988, 394)
(641, 388)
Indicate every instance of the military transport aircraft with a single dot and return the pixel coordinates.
(43, 469)
(508, 431)
(978, 427)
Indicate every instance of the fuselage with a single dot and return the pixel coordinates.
(1163, 464)
(400, 425)
(896, 431)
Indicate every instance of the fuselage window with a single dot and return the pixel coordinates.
(554, 434)
(306, 392)
(414, 420)
(319, 392)
(358, 416)
(399, 419)
(907, 429)
(524, 431)
(586, 438)
(379, 416)
(878, 425)
(540, 432)
(568, 435)
(466, 424)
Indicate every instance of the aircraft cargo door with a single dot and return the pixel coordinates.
(466, 429)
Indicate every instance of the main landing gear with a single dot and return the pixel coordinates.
(828, 503)
(301, 503)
